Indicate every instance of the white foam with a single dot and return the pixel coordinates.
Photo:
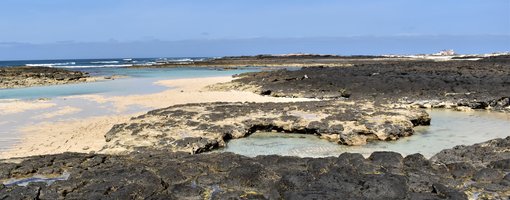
(94, 66)
(181, 60)
(50, 64)
(105, 62)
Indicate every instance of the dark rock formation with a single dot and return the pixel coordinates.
(479, 154)
(197, 128)
(474, 84)
(290, 60)
(150, 174)
(11, 77)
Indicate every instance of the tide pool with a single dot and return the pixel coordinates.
(447, 129)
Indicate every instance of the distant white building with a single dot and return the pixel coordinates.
(448, 52)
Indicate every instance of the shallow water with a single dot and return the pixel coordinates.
(447, 129)
(36, 178)
(140, 81)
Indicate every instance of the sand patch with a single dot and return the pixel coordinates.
(18, 106)
(66, 110)
(79, 135)
(85, 135)
(185, 91)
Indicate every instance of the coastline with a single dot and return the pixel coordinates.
(337, 104)
(313, 60)
(25, 76)
(86, 135)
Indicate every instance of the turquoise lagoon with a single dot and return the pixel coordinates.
(140, 81)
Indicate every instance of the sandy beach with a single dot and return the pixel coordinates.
(254, 100)
(87, 134)
(370, 122)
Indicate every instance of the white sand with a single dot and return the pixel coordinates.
(185, 91)
(17, 106)
(66, 110)
(85, 135)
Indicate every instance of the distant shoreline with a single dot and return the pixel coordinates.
(57, 74)
(22, 77)
(311, 60)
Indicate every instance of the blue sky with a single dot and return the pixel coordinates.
(115, 22)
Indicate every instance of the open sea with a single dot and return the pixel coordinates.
(139, 81)
(95, 63)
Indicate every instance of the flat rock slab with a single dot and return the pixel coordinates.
(150, 174)
(12, 77)
(475, 84)
(196, 128)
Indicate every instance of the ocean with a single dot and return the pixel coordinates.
(98, 63)
(139, 81)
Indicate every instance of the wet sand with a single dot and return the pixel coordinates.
(87, 134)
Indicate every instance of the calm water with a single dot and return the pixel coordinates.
(448, 129)
(140, 82)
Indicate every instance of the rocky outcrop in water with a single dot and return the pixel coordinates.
(474, 84)
(196, 128)
(150, 174)
(13, 77)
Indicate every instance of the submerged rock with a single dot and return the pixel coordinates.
(196, 128)
(154, 174)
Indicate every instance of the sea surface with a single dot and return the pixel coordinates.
(95, 63)
(139, 81)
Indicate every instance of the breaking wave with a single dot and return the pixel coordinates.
(50, 64)
(105, 62)
(95, 66)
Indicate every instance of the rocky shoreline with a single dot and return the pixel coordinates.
(481, 84)
(16, 77)
(290, 60)
(196, 128)
(160, 154)
(458, 173)
(310, 60)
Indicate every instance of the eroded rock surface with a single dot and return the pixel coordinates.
(195, 128)
(12, 77)
(153, 174)
(479, 154)
(474, 84)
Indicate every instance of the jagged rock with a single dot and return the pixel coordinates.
(477, 85)
(159, 174)
(488, 175)
(477, 155)
(196, 128)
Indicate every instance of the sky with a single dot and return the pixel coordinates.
(33, 29)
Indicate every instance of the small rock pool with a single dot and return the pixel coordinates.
(37, 178)
(448, 129)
